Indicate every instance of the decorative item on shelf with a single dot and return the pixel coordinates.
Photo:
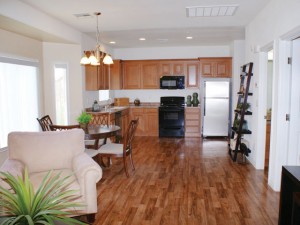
(94, 57)
(189, 101)
(84, 119)
(96, 106)
(195, 99)
(242, 89)
(240, 106)
(236, 124)
(137, 102)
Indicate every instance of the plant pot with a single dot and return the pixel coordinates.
(84, 125)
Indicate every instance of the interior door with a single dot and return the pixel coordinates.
(294, 131)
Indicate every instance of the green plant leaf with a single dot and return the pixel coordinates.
(49, 203)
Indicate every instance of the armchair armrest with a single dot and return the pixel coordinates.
(14, 167)
(88, 173)
(84, 164)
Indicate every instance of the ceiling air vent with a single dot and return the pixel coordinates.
(82, 15)
(211, 11)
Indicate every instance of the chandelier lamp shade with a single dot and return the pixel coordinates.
(94, 57)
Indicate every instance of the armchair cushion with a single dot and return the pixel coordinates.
(44, 151)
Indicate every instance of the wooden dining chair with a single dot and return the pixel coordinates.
(44, 122)
(124, 149)
(101, 119)
(90, 151)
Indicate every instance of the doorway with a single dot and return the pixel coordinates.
(293, 156)
(268, 108)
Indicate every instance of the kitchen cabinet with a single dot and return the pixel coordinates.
(148, 121)
(216, 67)
(192, 75)
(96, 77)
(145, 74)
(150, 78)
(151, 121)
(178, 68)
(132, 76)
(116, 73)
(192, 122)
(171, 68)
(138, 113)
(165, 68)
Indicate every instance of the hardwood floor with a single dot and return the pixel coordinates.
(187, 182)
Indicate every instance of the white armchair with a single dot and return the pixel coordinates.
(61, 152)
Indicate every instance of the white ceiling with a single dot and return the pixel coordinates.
(161, 22)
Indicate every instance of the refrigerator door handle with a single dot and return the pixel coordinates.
(204, 99)
(204, 110)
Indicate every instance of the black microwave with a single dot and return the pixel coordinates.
(172, 82)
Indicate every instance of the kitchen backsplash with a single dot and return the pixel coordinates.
(151, 95)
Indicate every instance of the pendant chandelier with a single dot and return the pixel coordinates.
(94, 57)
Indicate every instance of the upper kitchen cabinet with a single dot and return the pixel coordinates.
(192, 75)
(216, 67)
(178, 68)
(171, 68)
(116, 72)
(132, 76)
(165, 68)
(150, 75)
(96, 77)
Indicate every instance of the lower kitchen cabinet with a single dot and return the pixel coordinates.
(152, 121)
(192, 122)
(148, 121)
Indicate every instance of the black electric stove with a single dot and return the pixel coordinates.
(171, 116)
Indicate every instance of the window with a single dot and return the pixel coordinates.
(61, 93)
(18, 97)
(103, 95)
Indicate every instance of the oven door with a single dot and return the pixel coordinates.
(171, 122)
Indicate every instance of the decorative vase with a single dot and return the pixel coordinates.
(195, 100)
(189, 101)
(84, 125)
(137, 102)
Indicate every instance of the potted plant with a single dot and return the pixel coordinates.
(240, 106)
(84, 119)
(48, 204)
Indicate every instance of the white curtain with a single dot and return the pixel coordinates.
(18, 97)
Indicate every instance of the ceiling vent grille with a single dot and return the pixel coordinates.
(211, 11)
(82, 15)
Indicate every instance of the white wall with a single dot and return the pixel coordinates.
(172, 52)
(278, 19)
(38, 21)
(152, 95)
(17, 46)
(70, 55)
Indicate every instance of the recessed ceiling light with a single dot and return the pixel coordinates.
(142, 39)
(189, 37)
(211, 11)
(112, 42)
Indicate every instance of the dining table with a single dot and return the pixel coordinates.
(97, 132)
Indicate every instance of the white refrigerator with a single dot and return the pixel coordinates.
(216, 104)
